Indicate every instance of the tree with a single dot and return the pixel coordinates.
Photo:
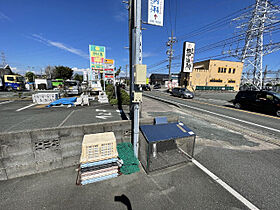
(78, 77)
(118, 71)
(49, 71)
(30, 76)
(62, 72)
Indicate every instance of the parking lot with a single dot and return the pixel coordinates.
(23, 115)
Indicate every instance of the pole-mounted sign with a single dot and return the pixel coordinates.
(155, 12)
(188, 56)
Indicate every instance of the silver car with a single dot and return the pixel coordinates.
(182, 92)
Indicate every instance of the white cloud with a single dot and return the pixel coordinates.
(121, 16)
(4, 17)
(75, 69)
(59, 45)
(147, 54)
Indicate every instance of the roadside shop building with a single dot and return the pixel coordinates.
(213, 75)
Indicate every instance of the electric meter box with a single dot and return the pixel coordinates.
(137, 97)
(140, 74)
(165, 145)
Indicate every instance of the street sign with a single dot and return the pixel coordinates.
(109, 76)
(188, 56)
(108, 61)
(96, 60)
(155, 12)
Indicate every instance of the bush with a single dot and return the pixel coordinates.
(110, 92)
(113, 101)
(124, 97)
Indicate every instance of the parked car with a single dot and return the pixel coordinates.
(182, 92)
(146, 87)
(122, 85)
(266, 101)
(72, 87)
(157, 86)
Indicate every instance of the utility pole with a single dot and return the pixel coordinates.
(170, 52)
(126, 74)
(135, 57)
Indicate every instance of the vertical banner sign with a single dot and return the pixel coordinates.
(188, 56)
(155, 12)
(109, 68)
(97, 56)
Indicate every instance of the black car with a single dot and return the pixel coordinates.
(182, 92)
(146, 88)
(157, 86)
(266, 101)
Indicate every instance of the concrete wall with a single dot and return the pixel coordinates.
(35, 151)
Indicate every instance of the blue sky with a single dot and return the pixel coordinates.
(37, 33)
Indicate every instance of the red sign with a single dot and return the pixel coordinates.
(109, 76)
(97, 60)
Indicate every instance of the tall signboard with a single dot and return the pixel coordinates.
(188, 57)
(97, 56)
(109, 71)
(155, 12)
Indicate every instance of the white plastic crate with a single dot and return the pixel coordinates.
(98, 146)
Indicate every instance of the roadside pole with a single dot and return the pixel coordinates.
(135, 58)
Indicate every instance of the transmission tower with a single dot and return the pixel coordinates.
(254, 25)
(3, 58)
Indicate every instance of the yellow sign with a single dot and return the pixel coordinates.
(108, 61)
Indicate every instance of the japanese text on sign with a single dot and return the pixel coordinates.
(188, 57)
(155, 12)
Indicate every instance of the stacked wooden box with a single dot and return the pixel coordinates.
(98, 159)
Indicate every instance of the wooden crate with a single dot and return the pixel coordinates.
(98, 146)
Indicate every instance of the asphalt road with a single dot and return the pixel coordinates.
(223, 109)
(250, 165)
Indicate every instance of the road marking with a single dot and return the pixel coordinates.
(100, 110)
(200, 102)
(6, 102)
(24, 107)
(66, 118)
(264, 115)
(104, 116)
(221, 115)
(225, 186)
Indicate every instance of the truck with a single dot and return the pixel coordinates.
(72, 87)
(12, 82)
(57, 82)
(43, 84)
(96, 86)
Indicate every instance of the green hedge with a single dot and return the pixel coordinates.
(110, 91)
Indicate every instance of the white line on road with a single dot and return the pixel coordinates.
(225, 186)
(25, 107)
(66, 118)
(221, 115)
(6, 102)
